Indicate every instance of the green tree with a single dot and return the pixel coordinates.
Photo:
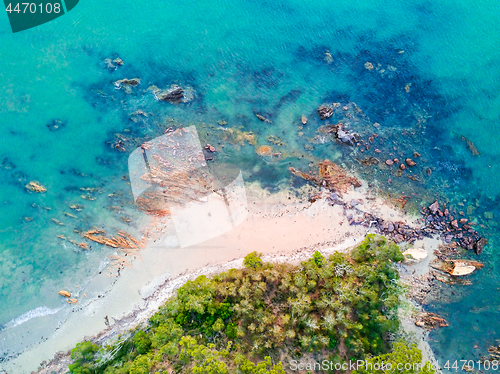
(405, 358)
(83, 354)
(253, 260)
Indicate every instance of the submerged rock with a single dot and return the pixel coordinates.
(127, 82)
(479, 245)
(35, 186)
(56, 125)
(174, 94)
(368, 66)
(262, 118)
(471, 146)
(109, 64)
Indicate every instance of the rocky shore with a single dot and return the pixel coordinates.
(355, 211)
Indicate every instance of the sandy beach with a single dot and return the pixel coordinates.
(281, 226)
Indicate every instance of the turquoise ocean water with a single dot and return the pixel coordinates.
(436, 78)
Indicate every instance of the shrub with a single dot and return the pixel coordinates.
(253, 260)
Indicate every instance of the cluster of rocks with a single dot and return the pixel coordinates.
(342, 135)
(452, 228)
(430, 321)
(209, 151)
(424, 288)
(112, 64)
(436, 222)
(400, 231)
(408, 162)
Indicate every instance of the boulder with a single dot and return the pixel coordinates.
(434, 207)
(417, 254)
(460, 270)
(303, 119)
(118, 61)
(345, 137)
(64, 293)
(410, 162)
(389, 162)
(325, 111)
(398, 238)
(479, 245)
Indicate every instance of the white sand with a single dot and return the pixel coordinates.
(279, 226)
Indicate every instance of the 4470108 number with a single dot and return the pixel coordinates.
(34, 8)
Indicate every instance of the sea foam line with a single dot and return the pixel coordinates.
(34, 313)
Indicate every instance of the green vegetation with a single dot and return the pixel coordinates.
(404, 359)
(258, 319)
(252, 260)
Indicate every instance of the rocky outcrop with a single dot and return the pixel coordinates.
(342, 135)
(330, 176)
(127, 82)
(35, 186)
(434, 207)
(325, 111)
(174, 94)
(430, 321)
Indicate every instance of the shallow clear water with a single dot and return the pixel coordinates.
(267, 57)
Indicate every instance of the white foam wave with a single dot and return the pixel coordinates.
(34, 313)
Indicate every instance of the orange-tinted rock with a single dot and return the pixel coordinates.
(64, 293)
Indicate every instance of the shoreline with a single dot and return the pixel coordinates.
(279, 227)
